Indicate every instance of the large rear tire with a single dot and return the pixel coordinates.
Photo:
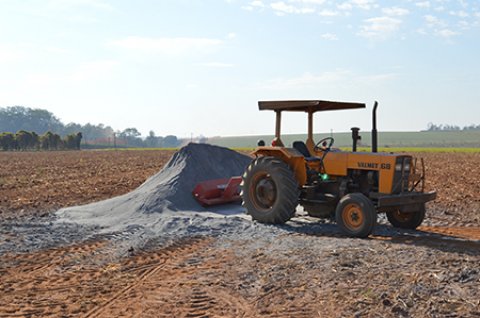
(356, 215)
(407, 220)
(269, 190)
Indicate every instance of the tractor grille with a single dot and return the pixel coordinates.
(403, 167)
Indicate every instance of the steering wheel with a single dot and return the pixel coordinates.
(325, 144)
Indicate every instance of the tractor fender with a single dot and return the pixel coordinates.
(290, 156)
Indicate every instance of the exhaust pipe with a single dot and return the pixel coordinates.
(355, 137)
(374, 129)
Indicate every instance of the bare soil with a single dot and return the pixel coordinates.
(39, 182)
(305, 271)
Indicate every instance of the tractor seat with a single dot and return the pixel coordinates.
(302, 148)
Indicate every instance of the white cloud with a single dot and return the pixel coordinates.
(309, 80)
(440, 28)
(231, 35)
(446, 33)
(345, 6)
(88, 72)
(309, 1)
(430, 19)
(395, 11)
(463, 3)
(461, 13)
(433, 21)
(306, 80)
(328, 13)
(380, 27)
(422, 31)
(77, 11)
(216, 64)
(363, 4)
(378, 77)
(329, 36)
(464, 24)
(281, 8)
(73, 4)
(178, 45)
(423, 4)
(257, 3)
(248, 8)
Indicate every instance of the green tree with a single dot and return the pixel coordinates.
(46, 141)
(78, 140)
(7, 141)
(24, 139)
(170, 141)
(69, 141)
(131, 137)
(18, 118)
(34, 141)
(151, 140)
(72, 141)
(57, 142)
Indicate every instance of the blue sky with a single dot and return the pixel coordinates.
(182, 67)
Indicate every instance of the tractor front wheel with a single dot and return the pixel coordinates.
(355, 215)
(407, 220)
(269, 190)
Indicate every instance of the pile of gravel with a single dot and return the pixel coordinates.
(167, 193)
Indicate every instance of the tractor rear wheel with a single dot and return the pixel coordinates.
(269, 190)
(355, 215)
(407, 220)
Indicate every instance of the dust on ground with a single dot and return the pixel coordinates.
(237, 267)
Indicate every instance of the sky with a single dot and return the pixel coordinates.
(199, 67)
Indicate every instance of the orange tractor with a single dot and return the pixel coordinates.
(349, 186)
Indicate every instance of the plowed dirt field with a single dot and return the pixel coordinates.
(306, 271)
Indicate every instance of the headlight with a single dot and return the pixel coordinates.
(407, 165)
(398, 167)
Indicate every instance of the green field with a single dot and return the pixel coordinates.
(387, 141)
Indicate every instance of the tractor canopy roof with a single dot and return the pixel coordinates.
(308, 106)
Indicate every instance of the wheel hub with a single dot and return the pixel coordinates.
(353, 216)
(266, 192)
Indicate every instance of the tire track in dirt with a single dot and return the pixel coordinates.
(32, 284)
(175, 282)
(145, 267)
(180, 280)
(199, 304)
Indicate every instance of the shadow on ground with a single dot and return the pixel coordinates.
(386, 233)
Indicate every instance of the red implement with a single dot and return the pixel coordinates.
(218, 191)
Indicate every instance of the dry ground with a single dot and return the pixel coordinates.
(302, 273)
(39, 182)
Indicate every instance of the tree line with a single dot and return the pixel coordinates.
(446, 127)
(41, 121)
(25, 140)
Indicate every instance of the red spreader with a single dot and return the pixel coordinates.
(218, 191)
